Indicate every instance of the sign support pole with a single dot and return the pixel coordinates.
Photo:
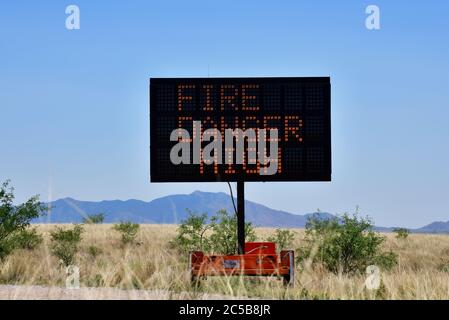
(241, 216)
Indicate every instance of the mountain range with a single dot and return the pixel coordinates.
(175, 208)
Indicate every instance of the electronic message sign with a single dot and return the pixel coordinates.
(240, 129)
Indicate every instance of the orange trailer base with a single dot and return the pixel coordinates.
(260, 259)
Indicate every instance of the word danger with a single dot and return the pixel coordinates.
(251, 142)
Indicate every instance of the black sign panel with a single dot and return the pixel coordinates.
(299, 108)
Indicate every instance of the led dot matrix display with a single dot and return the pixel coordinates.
(299, 108)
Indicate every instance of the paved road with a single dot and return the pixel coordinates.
(9, 292)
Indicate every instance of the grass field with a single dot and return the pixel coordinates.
(151, 264)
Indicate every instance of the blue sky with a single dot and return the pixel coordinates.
(74, 103)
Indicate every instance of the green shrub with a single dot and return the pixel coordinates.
(444, 266)
(282, 238)
(192, 233)
(15, 218)
(128, 230)
(96, 281)
(94, 251)
(401, 233)
(347, 245)
(218, 236)
(224, 233)
(64, 244)
(94, 219)
(27, 239)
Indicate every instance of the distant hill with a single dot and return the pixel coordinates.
(171, 210)
(434, 227)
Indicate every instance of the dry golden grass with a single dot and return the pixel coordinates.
(153, 265)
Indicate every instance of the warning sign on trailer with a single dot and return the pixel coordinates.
(240, 129)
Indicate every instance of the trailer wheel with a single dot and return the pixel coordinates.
(194, 281)
(193, 278)
(289, 279)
